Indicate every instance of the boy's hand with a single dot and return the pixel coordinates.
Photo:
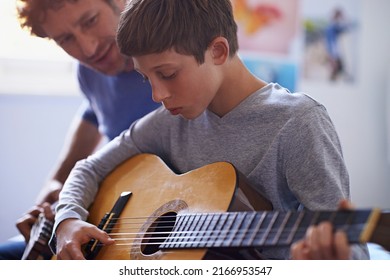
(72, 234)
(321, 243)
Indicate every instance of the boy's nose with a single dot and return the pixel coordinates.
(159, 93)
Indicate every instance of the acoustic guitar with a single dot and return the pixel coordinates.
(154, 213)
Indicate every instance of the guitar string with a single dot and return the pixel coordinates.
(379, 230)
(127, 242)
(171, 222)
(140, 241)
(209, 235)
(242, 231)
(189, 215)
(165, 219)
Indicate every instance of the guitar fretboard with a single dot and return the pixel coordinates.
(257, 229)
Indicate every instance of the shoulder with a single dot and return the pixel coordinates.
(277, 101)
(84, 71)
(283, 96)
(87, 77)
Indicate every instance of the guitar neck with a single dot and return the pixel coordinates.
(263, 229)
(37, 247)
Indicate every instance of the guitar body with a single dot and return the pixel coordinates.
(207, 213)
(157, 191)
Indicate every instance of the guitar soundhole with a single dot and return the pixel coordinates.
(158, 232)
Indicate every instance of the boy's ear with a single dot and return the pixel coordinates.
(219, 48)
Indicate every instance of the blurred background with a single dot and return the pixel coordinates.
(287, 41)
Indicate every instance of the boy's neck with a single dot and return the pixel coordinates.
(239, 83)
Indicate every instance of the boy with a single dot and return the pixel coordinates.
(214, 110)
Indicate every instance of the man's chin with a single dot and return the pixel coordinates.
(109, 71)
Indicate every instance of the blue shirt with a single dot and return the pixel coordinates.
(115, 102)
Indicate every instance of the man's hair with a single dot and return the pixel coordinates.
(32, 13)
(186, 26)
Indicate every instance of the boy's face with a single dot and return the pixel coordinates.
(86, 30)
(182, 85)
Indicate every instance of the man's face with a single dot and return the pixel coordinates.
(86, 30)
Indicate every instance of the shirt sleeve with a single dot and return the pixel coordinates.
(87, 113)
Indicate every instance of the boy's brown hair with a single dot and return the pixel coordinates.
(187, 26)
(32, 13)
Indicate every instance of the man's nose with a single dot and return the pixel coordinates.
(88, 45)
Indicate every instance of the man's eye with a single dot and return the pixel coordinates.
(64, 40)
(90, 22)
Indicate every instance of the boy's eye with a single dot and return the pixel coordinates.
(168, 77)
(145, 79)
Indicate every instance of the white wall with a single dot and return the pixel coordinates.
(33, 127)
(359, 111)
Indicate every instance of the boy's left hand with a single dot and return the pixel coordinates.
(321, 243)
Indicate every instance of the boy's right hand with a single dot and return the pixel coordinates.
(71, 234)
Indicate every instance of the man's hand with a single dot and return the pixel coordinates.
(321, 243)
(71, 234)
(25, 223)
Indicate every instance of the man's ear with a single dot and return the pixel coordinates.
(219, 48)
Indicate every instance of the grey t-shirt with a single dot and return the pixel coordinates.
(284, 143)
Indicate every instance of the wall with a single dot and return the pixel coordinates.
(33, 127)
(359, 111)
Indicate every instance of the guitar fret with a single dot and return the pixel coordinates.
(268, 222)
(256, 231)
(186, 236)
(200, 220)
(324, 216)
(308, 219)
(226, 227)
(183, 235)
(354, 230)
(361, 223)
(216, 231)
(281, 229)
(344, 221)
(314, 218)
(207, 231)
(234, 240)
(247, 230)
(295, 228)
(268, 235)
(168, 242)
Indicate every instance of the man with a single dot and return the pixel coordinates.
(116, 95)
(215, 110)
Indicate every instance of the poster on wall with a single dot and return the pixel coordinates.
(330, 40)
(268, 36)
